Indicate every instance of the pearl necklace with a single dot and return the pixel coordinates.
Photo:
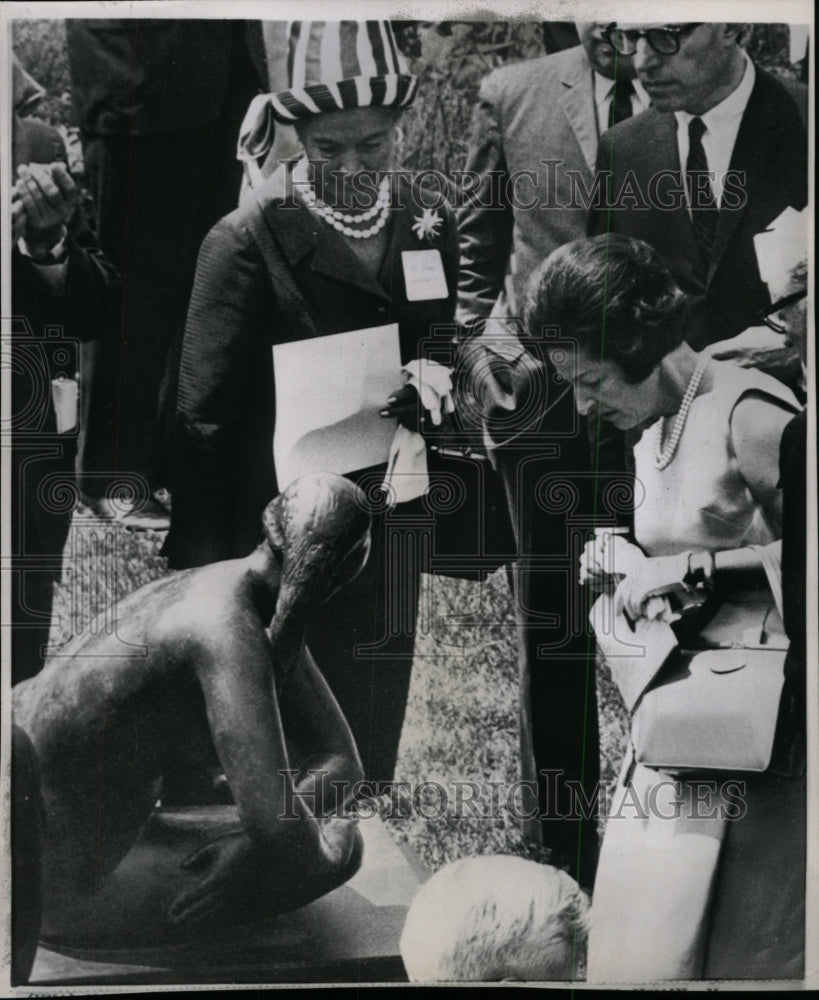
(663, 456)
(339, 220)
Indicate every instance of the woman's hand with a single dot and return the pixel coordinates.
(651, 578)
(404, 405)
(606, 559)
(425, 400)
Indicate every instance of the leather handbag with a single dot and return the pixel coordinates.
(711, 710)
(473, 531)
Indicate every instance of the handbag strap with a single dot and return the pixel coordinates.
(290, 297)
(771, 558)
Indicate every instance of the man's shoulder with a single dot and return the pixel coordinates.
(780, 97)
(518, 79)
(632, 134)
(236, 229)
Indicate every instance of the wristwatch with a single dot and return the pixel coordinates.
(700, 575)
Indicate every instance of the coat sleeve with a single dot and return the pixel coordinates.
(86, 295)
(92, 294)
(485, 218)
(218, 421)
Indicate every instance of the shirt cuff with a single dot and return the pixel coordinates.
(57, 254)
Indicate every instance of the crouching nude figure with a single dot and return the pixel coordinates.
(218, 674)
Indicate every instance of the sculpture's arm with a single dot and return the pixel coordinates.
(328, 762)
(283, 857)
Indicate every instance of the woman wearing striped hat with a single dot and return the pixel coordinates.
(325, 245)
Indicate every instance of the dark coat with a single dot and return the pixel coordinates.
(145, 76)
(771, 149)
(223, 469)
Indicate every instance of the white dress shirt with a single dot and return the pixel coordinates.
(603, 88)
(721, 127)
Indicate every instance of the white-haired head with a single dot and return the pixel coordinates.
(484, 919)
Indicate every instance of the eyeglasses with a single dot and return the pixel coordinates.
(766, 316)
(666, 40)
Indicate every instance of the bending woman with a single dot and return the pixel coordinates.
(683, 897)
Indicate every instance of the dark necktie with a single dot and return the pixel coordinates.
(704, 212)
(620, 107)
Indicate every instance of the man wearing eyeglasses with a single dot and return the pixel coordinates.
(529, 167)
(721, 153)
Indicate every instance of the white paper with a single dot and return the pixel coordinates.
(329, 393)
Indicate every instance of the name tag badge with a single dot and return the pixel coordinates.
(424, 275)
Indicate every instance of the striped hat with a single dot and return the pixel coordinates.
(333, 65)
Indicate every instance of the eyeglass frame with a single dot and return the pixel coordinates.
(676, 31)
(789, 300)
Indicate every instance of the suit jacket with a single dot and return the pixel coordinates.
(538, 110)
(147, 76)
(240, 307)
(49, 322)
(726, 293)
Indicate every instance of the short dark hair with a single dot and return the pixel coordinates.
(615, 296)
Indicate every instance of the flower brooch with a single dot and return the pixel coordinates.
(426, 225)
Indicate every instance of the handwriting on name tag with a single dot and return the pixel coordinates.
(424, 275)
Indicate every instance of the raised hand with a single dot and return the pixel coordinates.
(48, 198)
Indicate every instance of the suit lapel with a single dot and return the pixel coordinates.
(659, 157)
(577, 101)
(757, 137)
(336, 260)
(299, 233)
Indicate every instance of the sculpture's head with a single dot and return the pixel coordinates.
(321, 528)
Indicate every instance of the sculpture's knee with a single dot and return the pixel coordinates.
(26, 850)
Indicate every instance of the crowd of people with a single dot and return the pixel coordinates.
(613, 304)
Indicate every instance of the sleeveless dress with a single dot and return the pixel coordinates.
(686, 892)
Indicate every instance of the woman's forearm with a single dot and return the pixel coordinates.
(742, 566)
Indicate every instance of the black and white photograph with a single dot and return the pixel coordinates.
(409, 529)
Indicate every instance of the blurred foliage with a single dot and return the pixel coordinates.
(40, 47)
(450, 57)
(769, 45)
